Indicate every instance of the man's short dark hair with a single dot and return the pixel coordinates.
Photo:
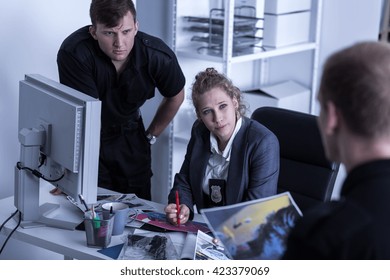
(357, 81)
(110, 12)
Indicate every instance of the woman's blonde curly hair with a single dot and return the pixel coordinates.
(209, 79)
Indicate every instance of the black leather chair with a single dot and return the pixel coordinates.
(304, 170)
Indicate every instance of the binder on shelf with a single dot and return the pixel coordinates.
(286, 6)
(286, 29)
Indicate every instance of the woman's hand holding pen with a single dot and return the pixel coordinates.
(171, 213)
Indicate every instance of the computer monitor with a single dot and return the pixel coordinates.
(59, 133)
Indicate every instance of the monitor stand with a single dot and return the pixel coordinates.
(73, 218)
(27, 190)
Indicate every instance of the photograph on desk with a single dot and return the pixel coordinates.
(256, 229)
(130, 199)
(206, 249)
(144, 245)
(200, 246)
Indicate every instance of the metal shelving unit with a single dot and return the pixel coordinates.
(385, 24)
(219, 25)
(224, 51)
(196, 50)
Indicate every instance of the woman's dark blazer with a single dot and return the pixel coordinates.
(253, 169)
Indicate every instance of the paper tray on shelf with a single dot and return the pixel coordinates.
(218, 30)
(238, 20)
(238, 42)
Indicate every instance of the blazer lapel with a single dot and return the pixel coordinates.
(237, 167)
(201, 155)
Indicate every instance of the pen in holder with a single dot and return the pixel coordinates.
(121, 211)
(98, 230)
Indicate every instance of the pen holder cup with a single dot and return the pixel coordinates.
(99, 231)
(121, 211)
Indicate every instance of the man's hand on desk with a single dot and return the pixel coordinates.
(56, 191)
(171, 213)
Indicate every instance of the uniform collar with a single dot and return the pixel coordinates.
(366, 171)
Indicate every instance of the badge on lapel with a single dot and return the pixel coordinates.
(217, 192)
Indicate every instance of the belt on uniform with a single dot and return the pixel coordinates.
(131, 124)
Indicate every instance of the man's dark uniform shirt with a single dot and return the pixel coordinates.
(356, 228)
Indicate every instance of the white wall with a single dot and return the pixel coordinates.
(345, 22)
(31, 33)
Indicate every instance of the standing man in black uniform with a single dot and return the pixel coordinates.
(113, 61)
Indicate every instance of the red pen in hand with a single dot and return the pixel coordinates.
(178, 208)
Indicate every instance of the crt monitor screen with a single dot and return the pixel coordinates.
(59, 135)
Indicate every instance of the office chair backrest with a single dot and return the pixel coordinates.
(304, 169)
